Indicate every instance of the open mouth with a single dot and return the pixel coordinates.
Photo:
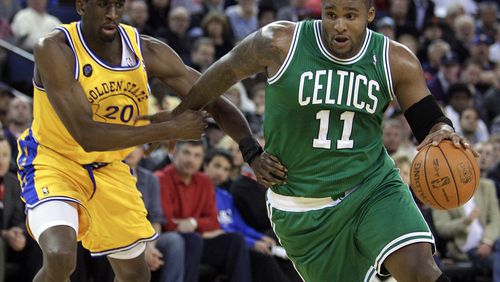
(341, 39)
(109, 28)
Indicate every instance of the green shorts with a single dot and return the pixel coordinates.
(348, 239)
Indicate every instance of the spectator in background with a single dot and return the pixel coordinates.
(8, 8)
(256, 119)
(207, 7)
(139, 16)
(237, 94)
(480, 51)
(486, 158)
(5, 97)
(19, 117)
(492, 97)
(158, 13)
(243, 18)
(460, 98)
(471, 75)
(213, 134)
(15, 247)
(469, 119)
(166, 253)
(175, 33)
(409, 41)
(264, 266)
(472, 230)
(227, 143)
(32, 23)
(435, 53)
(399, 13)
(495, 48)
(387, 27)
(447, 75)
(494, 172)
(464, 31)
(294, 12)
(188, 200)
(202, 54)
(487, 18)
(391, 135)
(420, 12)
(266, 15)
(215, 25)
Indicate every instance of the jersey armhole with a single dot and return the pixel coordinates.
(387, 68)
(70, 43)
(289, 56)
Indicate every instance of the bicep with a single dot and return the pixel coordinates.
(408, 77)
(55, 67)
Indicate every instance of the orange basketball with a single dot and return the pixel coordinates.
(444, 177)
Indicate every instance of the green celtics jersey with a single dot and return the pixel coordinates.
(323, 115)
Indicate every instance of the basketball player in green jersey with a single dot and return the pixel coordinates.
(343, 213)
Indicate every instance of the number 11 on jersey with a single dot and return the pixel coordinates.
(324, 119)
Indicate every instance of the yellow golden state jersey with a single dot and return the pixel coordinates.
(117, 95)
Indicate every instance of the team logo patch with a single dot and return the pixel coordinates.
(87, 70)
(45, 191)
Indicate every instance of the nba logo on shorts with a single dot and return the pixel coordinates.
(45, 191)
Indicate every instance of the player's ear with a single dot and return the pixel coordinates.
(371, 14)
(80, 7)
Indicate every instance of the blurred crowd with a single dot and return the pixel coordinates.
(213, 223)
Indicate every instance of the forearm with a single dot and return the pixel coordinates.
(212, 84)
(230, 119)
(106, 137)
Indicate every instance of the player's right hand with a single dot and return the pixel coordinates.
(190, 124)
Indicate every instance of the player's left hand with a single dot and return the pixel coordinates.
(269, 170)
(441, 132)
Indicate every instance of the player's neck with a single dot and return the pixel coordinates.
(108, 51)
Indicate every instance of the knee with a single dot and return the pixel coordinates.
(61, 257)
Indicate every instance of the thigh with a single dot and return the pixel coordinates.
(388, 221)
(49, 177)
(118, 213)
(320, 243)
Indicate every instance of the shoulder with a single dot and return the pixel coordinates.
(53, 42)
(487, 184)
(278, 31)
(203, 178)
(274, 39)
(401, 57)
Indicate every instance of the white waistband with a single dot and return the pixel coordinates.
(301, 204)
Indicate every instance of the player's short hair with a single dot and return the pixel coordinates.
(218, 152)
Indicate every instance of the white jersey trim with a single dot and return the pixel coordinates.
(289, 56)
(331, 57)
(126, 248)
(123, 34)
(387, 67)
(70, 42)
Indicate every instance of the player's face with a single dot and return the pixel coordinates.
(218, 170)
(101, 17)
(344, 25)
(4, 157)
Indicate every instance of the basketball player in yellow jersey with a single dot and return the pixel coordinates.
(90, 87)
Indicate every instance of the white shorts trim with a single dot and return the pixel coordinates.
(131, 253)
(126, 248)
(301, 204)
(52, 213)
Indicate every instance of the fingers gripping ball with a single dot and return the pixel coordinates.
(443, 176)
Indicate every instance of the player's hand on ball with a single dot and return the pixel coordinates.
(269, 170)
(446, 132)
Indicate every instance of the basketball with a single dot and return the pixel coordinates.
(443, 176)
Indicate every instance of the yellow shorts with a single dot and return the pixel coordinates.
(112, 216)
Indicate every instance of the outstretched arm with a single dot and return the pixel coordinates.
(54, 68)
(264, 50)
